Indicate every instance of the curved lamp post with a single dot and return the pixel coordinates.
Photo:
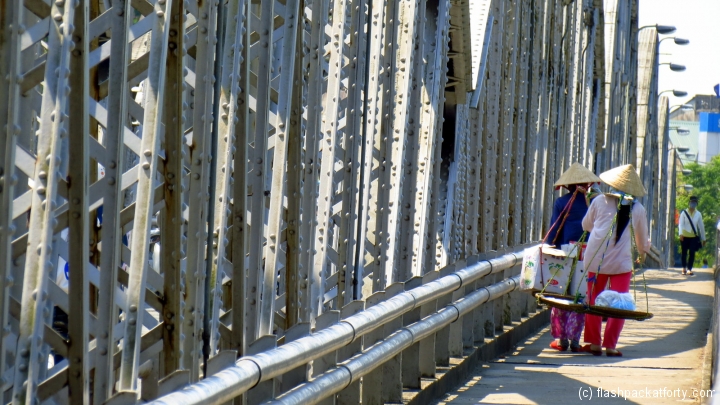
(676, 93)
(675, 67)
(661, 29)
(678, 41)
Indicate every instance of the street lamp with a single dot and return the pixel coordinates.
(661, 29)
(678, 41)
(688, 187)
(674, 67)
(680, 130)
(681, 107)
(676, 93)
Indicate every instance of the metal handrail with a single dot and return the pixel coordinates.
(251, 370)
(350, 371)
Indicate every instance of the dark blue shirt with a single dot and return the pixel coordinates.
(571, 230)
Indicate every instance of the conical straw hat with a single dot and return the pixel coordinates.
(625, 179)
(577, 174)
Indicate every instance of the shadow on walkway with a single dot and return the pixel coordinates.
(662, 356)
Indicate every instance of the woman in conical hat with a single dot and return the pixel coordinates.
(608, 257)
(566, 227)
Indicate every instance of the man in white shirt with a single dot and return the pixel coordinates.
(692, 234)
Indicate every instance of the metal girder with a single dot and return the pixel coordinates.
(229, 93)
(198, 201)
(79, 221)
(39, 264)
(259, 165)
(150, 146)
(172, 224)
(9, 130)
(327, 146)
(112, 204)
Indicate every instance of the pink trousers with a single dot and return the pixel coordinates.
(593, 323)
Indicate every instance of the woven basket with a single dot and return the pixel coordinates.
(565, 302)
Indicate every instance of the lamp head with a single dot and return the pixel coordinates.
(679, 93)
(677, 68)
(686, 172)
(665, 29)
(682, 149)
(681, 41)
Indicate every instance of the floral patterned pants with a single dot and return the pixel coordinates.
(566, 324)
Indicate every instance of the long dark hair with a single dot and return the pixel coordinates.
(623, 219)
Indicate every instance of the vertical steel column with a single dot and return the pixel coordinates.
(113, 135)
(492, 129)
(412, 192)
(349, 280)
(518, 196)
(284, 114)
(10, 78)
(198, 195)
(265, 292)
(172, 224)
(39, 261)
(229, 93)
(432, 99)
(310, 159)
(150, 146)
(243, 329)
(506, 156)
(432, 259)
(79, 220)
(293, 278)
(328, 135)
(405, 15)
(368, 256)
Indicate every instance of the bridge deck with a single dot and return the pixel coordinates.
(666, 352)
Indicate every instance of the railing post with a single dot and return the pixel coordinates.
(411, 355)
(329, 360)
(455, 343)
(264, 391)
(392, 369)
(442, 337)
(298, 375)
(351, 394)
(427, 345)
(372, 383)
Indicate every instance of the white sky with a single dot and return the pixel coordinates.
(698, 21)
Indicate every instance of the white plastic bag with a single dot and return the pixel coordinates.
(614, 299)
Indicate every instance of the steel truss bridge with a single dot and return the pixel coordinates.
(294, 200)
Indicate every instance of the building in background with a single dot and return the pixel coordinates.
(708, 137)
(685, 134)
(697, 128)
(700, 103)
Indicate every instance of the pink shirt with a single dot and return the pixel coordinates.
(618, 257)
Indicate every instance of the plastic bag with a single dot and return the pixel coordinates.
(614, 299)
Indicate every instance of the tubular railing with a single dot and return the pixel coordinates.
(469, 290)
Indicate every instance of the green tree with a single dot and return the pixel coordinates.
(705, 180)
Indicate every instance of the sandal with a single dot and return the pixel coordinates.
(684, 272)
(616, 353)
(690, 273)
(555, 345)
(588, 349)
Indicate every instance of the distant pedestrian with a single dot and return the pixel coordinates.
(692, 235)
(566, 227)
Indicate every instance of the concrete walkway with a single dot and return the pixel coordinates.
(663, 357)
